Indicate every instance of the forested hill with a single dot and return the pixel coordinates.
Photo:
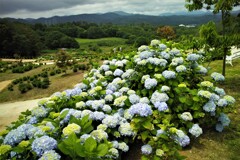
(120, 18)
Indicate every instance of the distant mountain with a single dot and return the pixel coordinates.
(120, 17)
(187, 13)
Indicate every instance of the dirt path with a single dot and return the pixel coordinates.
(4, 84)
(9, 112)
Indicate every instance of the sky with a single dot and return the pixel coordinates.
(49, 8)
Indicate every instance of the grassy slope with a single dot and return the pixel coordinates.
(58, 83)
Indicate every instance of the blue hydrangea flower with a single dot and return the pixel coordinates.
(159, 97)
(32, 120)
(193, 57)
(162, 46)
(214, 97)
(39, 112)
(196, 130)
(223, 118)
(165, 55)
(181, 68)
(133, 98)
(124, 90)
(118, 72)
(98, 116)
(50, 155)
(169, 74)
(146, 54)
(181, 138)
(43, 144)
(150, 83)
(161, 106)
(141, 109)
(217, 77)
(210, 106)
(219, 127)
(146, 149)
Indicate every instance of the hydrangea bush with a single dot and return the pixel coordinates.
(157, 95)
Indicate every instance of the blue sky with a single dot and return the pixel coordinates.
(49, 8)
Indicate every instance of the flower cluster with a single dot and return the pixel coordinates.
(146, 149)
(217, 77)
(43, 144)
(196, 130)
(51, 154)
(71, 128)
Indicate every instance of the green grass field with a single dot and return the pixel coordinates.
(115, 40)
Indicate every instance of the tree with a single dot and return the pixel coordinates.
(166, 32)
(64, 60)
(223, 6)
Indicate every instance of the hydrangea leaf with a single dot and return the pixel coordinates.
(90, 144)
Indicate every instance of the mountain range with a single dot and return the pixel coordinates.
(120, 17)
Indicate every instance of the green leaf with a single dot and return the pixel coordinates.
(70, 146)
(148, 125)
(90, 144)
(144, 135)
(63, 114)
(144, 157)
(196, 99)
(182, 99)
(102, 150)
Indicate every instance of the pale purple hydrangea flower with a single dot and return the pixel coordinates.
(222, 102)
(140, 109)
(161, 106)
(220, 91)
(181, 138)
(202, 70)
(210, 106)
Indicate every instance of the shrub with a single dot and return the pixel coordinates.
(24, 87)
(10, 87)
(52, 73)
(157, 95)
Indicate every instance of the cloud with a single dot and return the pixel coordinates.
(48, 8)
